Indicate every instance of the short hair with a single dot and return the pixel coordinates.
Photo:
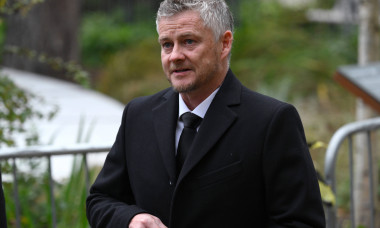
(215, 13)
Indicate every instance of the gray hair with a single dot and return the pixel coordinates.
(215, 13)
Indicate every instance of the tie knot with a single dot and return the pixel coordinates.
(191, 120)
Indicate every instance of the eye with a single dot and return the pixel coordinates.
(189, 41)
(167, 45)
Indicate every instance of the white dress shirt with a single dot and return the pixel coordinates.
(200, 111)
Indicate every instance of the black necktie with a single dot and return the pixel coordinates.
(191, 122)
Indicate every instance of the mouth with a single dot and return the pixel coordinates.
(180, 70)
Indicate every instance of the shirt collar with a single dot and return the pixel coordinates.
(201, 109)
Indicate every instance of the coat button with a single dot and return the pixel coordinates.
(171, 183)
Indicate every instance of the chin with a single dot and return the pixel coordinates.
(184, 88)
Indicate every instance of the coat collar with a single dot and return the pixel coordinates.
(218, 119)
(165, 116)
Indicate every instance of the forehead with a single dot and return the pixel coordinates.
(185, 22)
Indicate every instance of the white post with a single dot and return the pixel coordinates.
(368, 52)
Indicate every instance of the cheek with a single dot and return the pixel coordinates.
(162, 56)
(164, 60)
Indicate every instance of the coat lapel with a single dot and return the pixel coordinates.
(218, 119)
(165, 117)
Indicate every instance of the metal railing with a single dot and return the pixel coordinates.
(347, 132)
(47, 152)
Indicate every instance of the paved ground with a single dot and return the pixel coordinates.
(97, 115)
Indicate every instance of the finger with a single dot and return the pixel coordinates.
(159, 223)
(146, 221)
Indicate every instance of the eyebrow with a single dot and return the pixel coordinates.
(181, 36)
(162, 39)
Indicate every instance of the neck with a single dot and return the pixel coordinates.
(193, 98)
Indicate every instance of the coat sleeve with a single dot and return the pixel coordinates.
(111, 202)
(292, 193)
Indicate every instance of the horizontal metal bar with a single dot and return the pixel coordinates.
(50, 151)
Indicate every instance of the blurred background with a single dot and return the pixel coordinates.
(277, 51)
(109, 48)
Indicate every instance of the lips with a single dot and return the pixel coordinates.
(182, 70)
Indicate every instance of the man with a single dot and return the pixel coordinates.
(247, 165)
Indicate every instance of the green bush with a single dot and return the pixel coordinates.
(102, 35)
(34, 195)
(277, 49)
(2, 35)
(133, 72)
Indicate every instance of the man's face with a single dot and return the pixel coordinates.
(189, 53)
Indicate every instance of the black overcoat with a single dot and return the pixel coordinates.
(249, 166)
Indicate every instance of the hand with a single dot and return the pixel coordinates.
(146, 221)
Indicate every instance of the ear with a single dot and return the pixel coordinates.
(226, 42)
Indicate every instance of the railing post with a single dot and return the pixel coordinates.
(47, 152)
(351, 163)
(15, 194)
(87, 173)
(52, 198)
(371, 184)
(332, 151)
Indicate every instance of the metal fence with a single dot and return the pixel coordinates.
(346, 133)
(48, 153)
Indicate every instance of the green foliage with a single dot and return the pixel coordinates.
(128, 55)
(102, 35)
(2, 33)
(34, 195)
(33, 187)
(279, 50)
(326, 4)
(71, 198)
(135, 71)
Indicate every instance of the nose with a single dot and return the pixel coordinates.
(176, 54)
